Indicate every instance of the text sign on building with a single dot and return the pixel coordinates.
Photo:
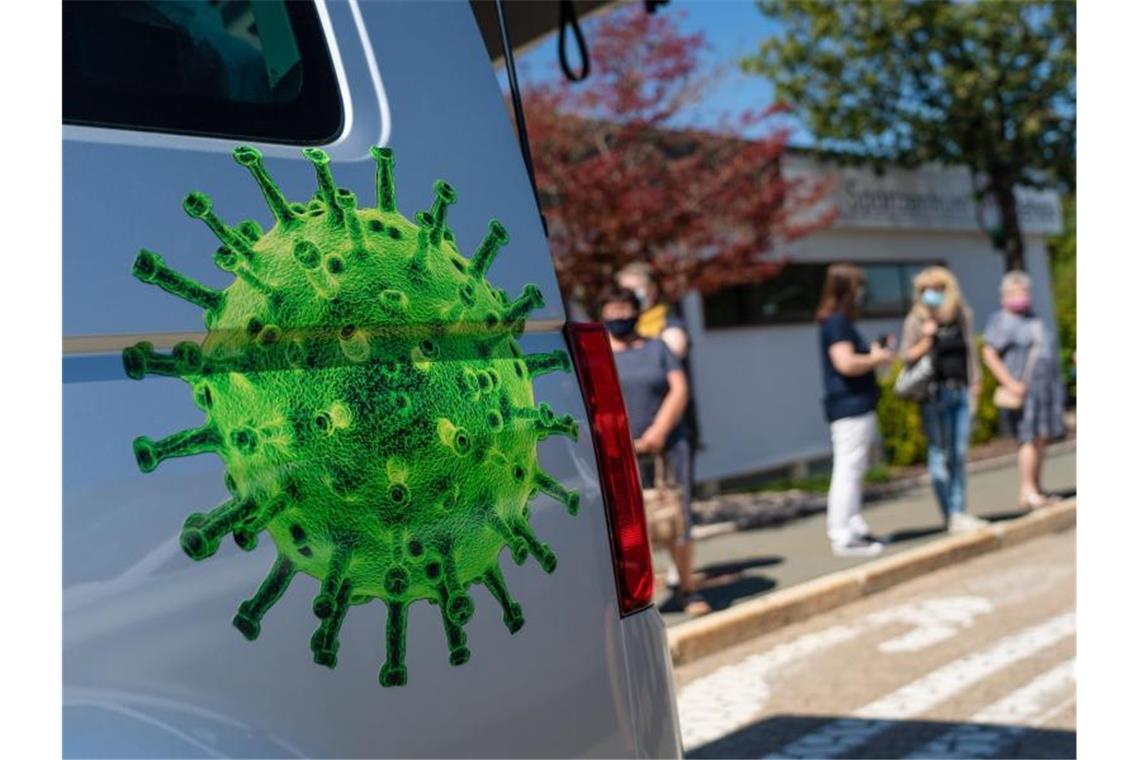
(928, 198)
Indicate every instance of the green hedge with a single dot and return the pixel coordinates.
(1063, 266)
(900, 422)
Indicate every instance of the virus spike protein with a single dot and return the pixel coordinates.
(352, 334)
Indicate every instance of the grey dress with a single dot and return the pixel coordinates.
(1012, 336)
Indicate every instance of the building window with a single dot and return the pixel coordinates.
(255, 70)
(791, 297)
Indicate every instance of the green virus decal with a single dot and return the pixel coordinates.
(363, 384)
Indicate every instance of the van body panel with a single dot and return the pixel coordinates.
(152, 664)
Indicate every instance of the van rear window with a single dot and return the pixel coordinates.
(252, 69)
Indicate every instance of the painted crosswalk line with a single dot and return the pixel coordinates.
(921, 695)
(840, 737)
(729, 697)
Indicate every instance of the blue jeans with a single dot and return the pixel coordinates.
(946, 421)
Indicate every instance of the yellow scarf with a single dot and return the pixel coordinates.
(651, 323)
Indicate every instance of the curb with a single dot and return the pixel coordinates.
(719, 630)
(872, 495)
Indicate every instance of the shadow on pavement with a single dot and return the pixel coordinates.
(840, 737)
(911, 534)
(720, 592)
(1013, 514)
(1003, 516)
(736, 567)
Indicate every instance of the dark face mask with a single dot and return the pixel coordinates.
(622, 329)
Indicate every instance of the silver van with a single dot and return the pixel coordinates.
(339, 477)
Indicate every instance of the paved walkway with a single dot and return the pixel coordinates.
(975, 660)
(743, 565)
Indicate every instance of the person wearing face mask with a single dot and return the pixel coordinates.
(851, 393)
(658, 320)
(1021, 352)
(941, 324)
(655, 391)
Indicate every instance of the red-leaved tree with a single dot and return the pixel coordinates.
(619, 182)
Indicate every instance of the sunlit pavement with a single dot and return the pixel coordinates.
(973, 661)
(740, 566)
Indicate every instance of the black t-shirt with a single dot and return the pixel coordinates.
(950, 353)
(845, 396)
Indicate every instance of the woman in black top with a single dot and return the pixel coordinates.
(942, 325)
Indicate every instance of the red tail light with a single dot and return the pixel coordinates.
(617, 464)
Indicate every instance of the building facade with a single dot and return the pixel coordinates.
(757, 377)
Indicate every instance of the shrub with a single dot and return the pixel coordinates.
(1063, 268)
(986, 420)
(900, 422)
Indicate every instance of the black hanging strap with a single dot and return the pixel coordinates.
(568, 17)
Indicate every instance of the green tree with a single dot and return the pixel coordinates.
(991, 85)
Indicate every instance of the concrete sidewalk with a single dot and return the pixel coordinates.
(743, 565)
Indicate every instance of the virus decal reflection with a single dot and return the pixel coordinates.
(363, 384)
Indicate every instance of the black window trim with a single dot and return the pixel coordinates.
(272, 124)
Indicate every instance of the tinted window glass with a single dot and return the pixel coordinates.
(790, 296)
(793, 295)
(225, 68)
(886, 295)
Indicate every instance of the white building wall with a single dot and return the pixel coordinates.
(759, 389)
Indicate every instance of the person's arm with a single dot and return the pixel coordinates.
(851, 364)
(668, 415)
(918, 338)
(675, 338)
(997, 338)
(993, 360)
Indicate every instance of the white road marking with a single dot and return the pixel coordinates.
(1032, 703)
(730, 696)
(955, 677)
(1021, 709)
(726, 699)
(934, 621)
(839, 738)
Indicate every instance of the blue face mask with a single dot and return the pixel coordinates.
(933, 298)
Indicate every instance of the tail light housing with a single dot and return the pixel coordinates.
(617, 464)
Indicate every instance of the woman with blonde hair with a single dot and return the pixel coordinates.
(941, 325)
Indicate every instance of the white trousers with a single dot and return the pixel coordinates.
(851, 440)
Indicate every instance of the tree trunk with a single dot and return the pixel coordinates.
(1012, 244)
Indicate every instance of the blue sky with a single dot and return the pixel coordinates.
(733, 29)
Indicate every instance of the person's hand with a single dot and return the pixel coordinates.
(650, 442)
(881, 355)
(975, 391)
(929, 328)
(1019, 388)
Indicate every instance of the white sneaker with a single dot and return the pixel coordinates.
(966, 523)
(858, 546)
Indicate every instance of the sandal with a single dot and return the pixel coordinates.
(696, 604)
(1037, 501)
